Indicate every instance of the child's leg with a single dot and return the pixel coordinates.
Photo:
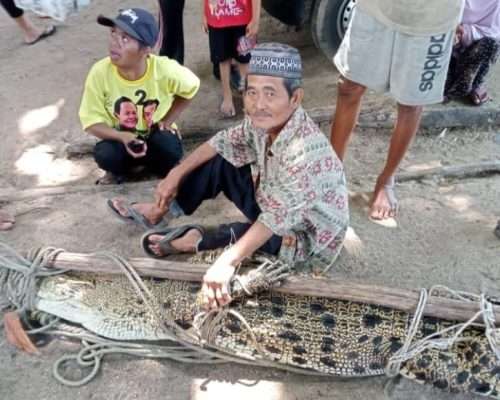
(243, 68)
(227, 106)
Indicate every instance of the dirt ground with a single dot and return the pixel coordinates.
(444, 234)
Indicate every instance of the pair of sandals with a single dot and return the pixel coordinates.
(169, 234)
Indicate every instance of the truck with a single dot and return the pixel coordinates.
(326, 19)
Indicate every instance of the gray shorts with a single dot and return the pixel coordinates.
(412, 69)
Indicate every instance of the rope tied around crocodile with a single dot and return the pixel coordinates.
(18, 286)
(436, 341)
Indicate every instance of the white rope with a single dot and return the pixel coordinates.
(437, 340)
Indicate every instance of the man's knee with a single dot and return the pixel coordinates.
(109, 156)
(349, 89)
(168, 144)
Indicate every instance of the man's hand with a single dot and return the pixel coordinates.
(459, 34)
(127, 139)
(215, 289)
(252, 28)
(167, 189)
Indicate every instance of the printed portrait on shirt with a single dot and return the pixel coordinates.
(136, 117)
(148, 110)
(125, 112)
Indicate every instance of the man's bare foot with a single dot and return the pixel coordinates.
(384, 204)
(148, 210)
(227, 108)
(6, 221)
(185, 244)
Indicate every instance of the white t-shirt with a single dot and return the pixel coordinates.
(415, 17)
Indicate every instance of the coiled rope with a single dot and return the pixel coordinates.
(18, 288)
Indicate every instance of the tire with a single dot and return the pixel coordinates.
(329, 22)
(290, 12)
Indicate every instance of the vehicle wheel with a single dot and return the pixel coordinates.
(329, 22)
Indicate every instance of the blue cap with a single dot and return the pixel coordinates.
(136, 22)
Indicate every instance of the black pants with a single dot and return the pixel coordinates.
(469, 67)
(11, 8)
(164, 152)
(206, 182)
(172, 44)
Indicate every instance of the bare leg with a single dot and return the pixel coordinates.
(408, 120)
(30, 31)
(349, 95)
(243, 68)
(227, 106)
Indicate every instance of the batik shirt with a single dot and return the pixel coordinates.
(301, 188)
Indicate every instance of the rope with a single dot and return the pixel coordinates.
(437, 339)
(18, 287)
(19, 276)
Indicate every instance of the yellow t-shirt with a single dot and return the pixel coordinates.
(134, 105)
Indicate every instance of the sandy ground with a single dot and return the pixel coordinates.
(444, 233)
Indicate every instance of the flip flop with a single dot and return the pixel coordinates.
(135, 217)
(169, 235)
(49, 31)
(391, 197)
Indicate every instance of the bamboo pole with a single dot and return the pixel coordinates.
(399, 299)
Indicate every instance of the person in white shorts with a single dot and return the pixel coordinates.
(402, 47)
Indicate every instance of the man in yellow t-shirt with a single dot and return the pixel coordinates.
(132, 98)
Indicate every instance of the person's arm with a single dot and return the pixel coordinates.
(215, 287)
(487, 26)
(178, 106)
(204, 22)
(168, 187)
(182, 84)
(253, 25)
(104, 132)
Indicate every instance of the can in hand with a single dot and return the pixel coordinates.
(245, 44)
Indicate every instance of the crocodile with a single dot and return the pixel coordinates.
(309, 334)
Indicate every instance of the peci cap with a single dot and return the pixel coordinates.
(136, 22)
(275, 59)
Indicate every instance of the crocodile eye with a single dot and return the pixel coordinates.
(166, 305)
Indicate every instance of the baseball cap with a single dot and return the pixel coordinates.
(136, 22)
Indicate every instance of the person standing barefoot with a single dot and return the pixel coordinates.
(402, 47)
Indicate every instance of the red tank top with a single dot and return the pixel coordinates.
(224, 13)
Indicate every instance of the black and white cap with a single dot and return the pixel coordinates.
(136, 22)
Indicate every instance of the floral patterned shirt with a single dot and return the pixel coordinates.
(301, 188)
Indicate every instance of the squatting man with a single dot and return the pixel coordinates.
(278, 169)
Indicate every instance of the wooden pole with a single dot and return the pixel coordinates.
(399, 299)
